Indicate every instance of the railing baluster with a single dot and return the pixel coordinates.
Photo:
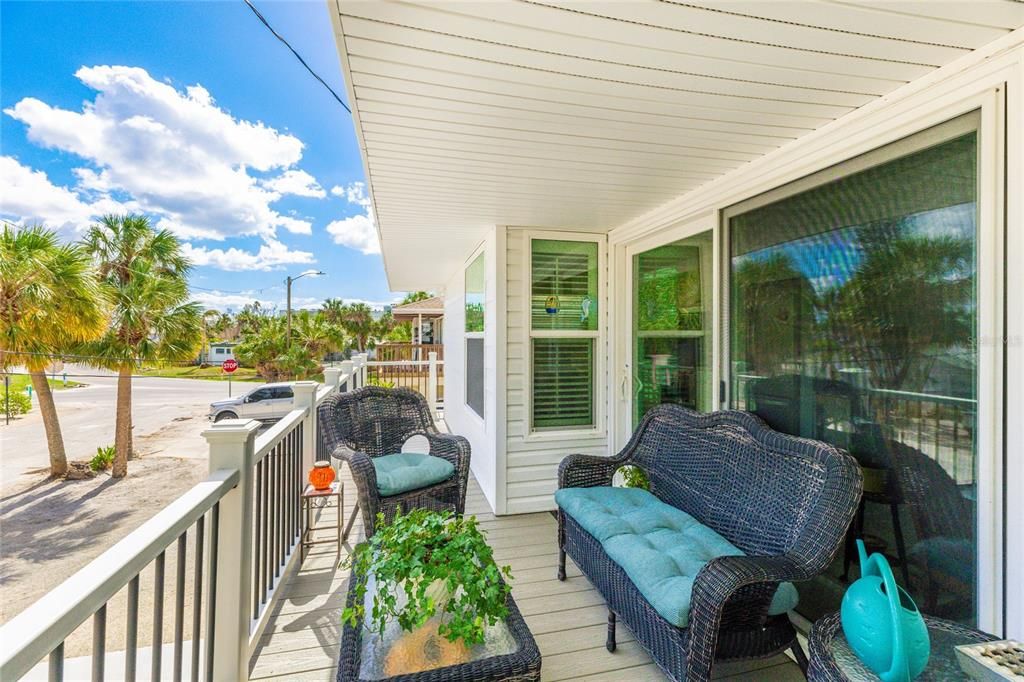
(197, 601)
(287, 501)
(211, 609)
(179, 605)
(56, 667)
(275, 504)
(99, 643)
(264, 511)
(257, 583)
(132, 625)
(158, 614)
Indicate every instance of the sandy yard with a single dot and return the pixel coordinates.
(50, 529)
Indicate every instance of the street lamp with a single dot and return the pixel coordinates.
(288, 281)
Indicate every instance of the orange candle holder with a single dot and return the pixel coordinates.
(321, 475)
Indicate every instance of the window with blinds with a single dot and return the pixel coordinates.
(563, 331)
(563, 383)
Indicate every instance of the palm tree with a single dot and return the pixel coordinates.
(316, 334)
(49, 302)
(357, 320)
(151, 319)
(415, 296)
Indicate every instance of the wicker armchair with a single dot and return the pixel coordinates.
(371, 422)
(785, 502)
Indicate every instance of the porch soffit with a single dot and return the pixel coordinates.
(584, 115)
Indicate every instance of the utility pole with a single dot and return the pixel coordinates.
(288, 283)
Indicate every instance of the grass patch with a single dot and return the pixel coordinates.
(211, 373)
(20, 381)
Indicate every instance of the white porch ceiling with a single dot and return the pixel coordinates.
(584, 115)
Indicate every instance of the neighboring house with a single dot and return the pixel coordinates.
(426, 316)
(629, 202)
(218, 352)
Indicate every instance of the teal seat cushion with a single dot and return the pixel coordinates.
(661, 548)
(405, 471)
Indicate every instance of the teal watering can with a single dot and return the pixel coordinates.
(882, 624)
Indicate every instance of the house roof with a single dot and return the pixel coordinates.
(429, 306)
(587, 115)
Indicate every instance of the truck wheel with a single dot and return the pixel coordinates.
(225, 415)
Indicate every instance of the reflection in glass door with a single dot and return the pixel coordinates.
(672, 324)
(854, 310)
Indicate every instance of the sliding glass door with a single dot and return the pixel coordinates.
(672, 325)
(853, 319)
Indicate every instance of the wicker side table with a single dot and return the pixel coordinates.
(832, 660)
(320, 499)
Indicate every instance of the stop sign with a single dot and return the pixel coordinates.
(230, 365)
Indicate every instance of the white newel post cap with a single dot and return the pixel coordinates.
(225, 437)
(332, 376)
(305, 392)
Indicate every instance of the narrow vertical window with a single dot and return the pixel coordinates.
(564, 332)
(475, 289)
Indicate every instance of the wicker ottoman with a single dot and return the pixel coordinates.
(523, 665)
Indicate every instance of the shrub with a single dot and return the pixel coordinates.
(382, 383)
(20, 403)
(103, 459)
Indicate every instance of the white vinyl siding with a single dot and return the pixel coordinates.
(532, 457)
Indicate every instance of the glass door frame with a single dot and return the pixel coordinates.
(988, 110)
(622, 392)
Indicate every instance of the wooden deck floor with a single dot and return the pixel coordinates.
(568, 619)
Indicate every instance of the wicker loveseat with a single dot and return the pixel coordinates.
(367, 428)
(694, 571)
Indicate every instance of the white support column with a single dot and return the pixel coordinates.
(305, 396)
(348, 370)
(231, 447)
(363, 368)
(432, 383)
(332, 377)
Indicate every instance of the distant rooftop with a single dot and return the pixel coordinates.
(428, 306)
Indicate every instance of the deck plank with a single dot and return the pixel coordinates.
(568, 619)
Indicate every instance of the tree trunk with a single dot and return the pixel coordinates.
(123, 424)
(54, 439)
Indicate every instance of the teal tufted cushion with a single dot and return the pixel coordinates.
(407, 471)
(661, 548)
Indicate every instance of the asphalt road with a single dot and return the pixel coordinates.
(169, 415)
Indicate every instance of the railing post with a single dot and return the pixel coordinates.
(348, 369)
(231, 447)
(332, 377)
(432, 383)
(363, 368)
(305, 396)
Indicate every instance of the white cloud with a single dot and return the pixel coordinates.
(355, 192)
(28, 196)
(271, 255)
(358, 231)
(181, 157)
(297, 182)
(222, 301)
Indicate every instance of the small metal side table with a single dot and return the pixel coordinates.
(832, 660)
(320, 499)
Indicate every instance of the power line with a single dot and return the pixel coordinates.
(277, 35)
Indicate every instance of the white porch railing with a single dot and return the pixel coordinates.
(244, 527)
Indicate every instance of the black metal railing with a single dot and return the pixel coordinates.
(277, 524)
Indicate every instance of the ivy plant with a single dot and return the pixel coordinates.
(634, 477)
(417, 550)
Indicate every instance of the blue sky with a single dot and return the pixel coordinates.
(194, 114)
